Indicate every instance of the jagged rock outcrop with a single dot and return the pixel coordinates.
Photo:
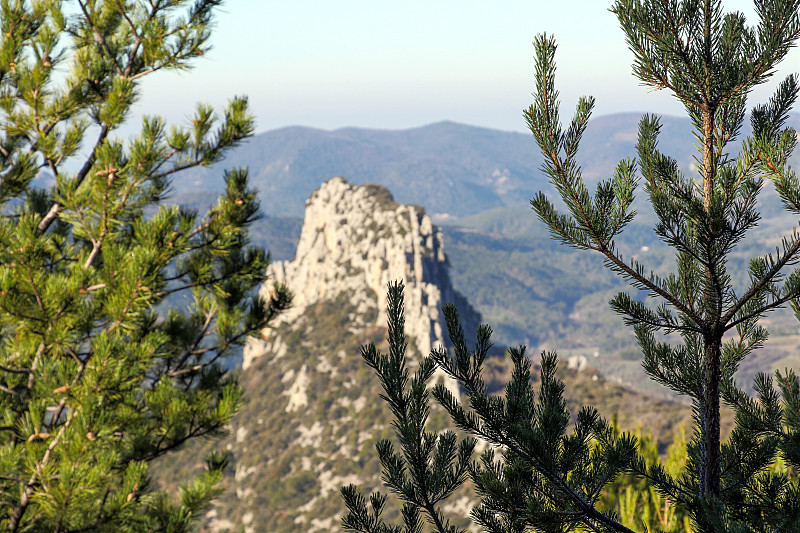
(355, 240)
(312, 412)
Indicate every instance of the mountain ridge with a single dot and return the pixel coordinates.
(356, 240)
(312, 413)
(311, 419)
(452, 169)
(504, 275)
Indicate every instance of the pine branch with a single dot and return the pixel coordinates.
(504, 422)
(785, 258)
(429, 468)
(52, 214)
(651, 285)
(101, 38)
(27, 489)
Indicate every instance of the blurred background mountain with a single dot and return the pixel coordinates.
(476, 183)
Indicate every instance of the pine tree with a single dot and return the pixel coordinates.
(550, 478)
(430, 466)
(100, 372)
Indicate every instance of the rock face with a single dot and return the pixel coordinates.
(355, 240)
(312, 414)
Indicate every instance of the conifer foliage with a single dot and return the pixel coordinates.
(95, 382)
(700, 327)
(430, 466)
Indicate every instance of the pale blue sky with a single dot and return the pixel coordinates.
(377, 64)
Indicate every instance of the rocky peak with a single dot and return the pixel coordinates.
(357, 239)
(311, 415)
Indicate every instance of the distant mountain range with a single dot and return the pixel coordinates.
(449, 168)
(476, 183)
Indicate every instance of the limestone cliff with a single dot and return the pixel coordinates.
(355, 240)
(312, 413)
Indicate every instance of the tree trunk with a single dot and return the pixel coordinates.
(712, 342)
(710, 446)
(709, 405)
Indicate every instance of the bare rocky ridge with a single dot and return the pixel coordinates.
(312, 413)
(355, 240)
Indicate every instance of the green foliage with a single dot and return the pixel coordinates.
(545, 479)
(703, 221)
(94, 384)
(429, 466)
(637, 502)
(701, 327)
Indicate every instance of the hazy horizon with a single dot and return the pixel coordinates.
(358, 63)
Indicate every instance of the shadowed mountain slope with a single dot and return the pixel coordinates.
(451, 169)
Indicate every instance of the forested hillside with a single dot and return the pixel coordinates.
(453, 170)
(477, 183)
(533, 291)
